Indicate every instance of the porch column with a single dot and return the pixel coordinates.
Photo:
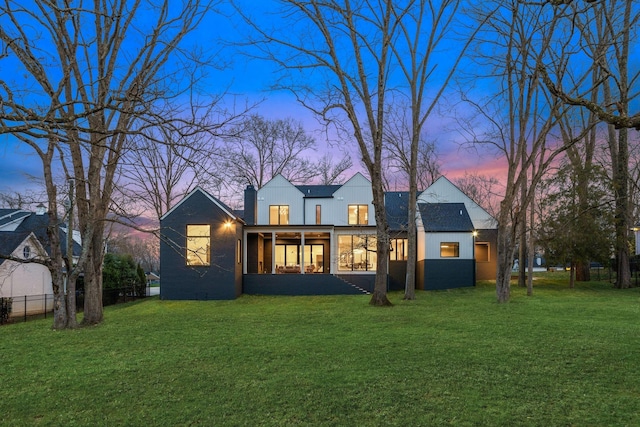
(273, 252)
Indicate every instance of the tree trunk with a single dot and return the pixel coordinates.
(379, 295)
(583, 271)
(412, 240)
(505, 259)
(93, 312)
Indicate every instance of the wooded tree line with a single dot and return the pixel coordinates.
(547, 86)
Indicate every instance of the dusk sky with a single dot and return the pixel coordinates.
(249, 80)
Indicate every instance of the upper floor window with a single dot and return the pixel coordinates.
(278, 214)
(449, 250)
(318, 214)
(359, 214)
(26, 252)
(199, 245)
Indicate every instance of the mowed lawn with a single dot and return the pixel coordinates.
(562, 357)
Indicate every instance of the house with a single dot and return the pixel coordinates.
(23, 236)
(316, 239)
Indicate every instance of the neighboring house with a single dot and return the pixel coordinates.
(23, 235)
(312, 240)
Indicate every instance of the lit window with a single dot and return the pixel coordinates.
(239, 251)
(357, 252)
(278, 214)
(26, 252)
(359, 214)
(398, 250)
(199, 245)
(449, 250)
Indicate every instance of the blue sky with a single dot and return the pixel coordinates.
(246, 79)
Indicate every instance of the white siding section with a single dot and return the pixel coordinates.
(327, 206)
(443, 191)
(279, 191)
(433, 241)
(356, 191)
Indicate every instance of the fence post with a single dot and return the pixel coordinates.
(45, 306)
(25, 308)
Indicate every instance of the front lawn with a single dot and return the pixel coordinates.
(561, 357)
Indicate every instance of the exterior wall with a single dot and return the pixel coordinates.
(356, 191)
(279, 191)
(397, 275)
(436, 274)
(222, 279)
(433, 240)
(327, 208)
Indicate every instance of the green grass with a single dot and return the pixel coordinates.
(561, 357)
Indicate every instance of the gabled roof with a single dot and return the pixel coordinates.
(10, 241)
(10, 218)
(30, 222)
(396, 205)
(444, 191)
(445, 217)
(318, 191)
(226, 209)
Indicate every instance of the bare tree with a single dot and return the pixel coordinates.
(340, 53)
(259, 149)
(423, 27)
(163, 165)
(95, 73)
(481, 189)
(330, 172)
(521, 117)
(606, 32)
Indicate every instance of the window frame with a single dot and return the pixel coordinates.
(455, 249)
(193, 254)
(358, 214)
(393, 252)
(279, 215)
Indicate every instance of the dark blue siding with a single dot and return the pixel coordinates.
(223, 278)
(437, 274)
(298, 284)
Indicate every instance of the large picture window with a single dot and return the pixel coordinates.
(449, 250)
(357, 252)
(198, 245)
(358, 214)
(278, 214)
